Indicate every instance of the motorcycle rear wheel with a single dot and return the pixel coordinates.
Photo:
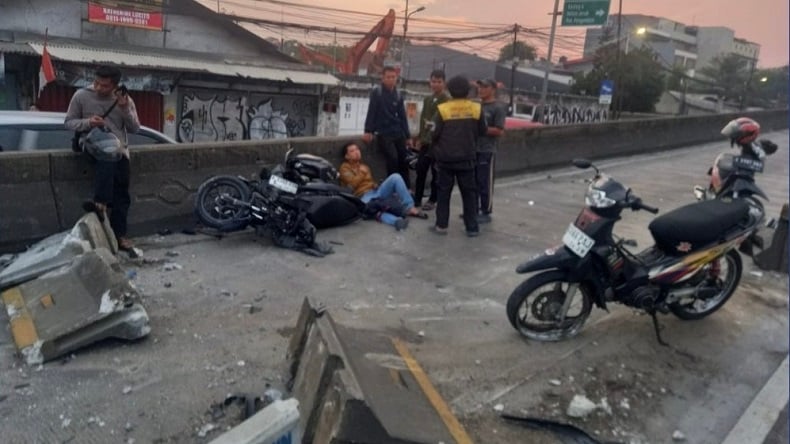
(693, 308)
(213, 212)
(542, 297)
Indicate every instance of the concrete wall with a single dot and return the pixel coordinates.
(42, 191)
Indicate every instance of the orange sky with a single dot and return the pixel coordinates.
(761, 21)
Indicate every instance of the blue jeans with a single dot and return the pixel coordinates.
(392, 185)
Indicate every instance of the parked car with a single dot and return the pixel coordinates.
(518, 123)
(34, 130)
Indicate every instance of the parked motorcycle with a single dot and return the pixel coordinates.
(289, 203)
(732, 174)
(691, 271)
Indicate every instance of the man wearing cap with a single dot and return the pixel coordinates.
(494, 114)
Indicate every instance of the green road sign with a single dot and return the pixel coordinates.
(585, 12)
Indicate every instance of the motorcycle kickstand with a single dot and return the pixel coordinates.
(657, 328)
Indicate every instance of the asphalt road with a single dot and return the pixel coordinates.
(221, 325)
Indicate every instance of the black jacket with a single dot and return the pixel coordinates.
(386, 113)
(458, 124)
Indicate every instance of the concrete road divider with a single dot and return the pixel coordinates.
(69, 307)
(277, 423)
(68, 291)
(355, 386)
(58, 250)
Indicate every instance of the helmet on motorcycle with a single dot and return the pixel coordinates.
(742, 131)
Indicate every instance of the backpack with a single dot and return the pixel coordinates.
(377, 90)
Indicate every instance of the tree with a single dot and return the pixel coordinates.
(524, 51)
(639, 76)
(730, 73)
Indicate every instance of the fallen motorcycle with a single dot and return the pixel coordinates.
(691, 271)
(288, 211)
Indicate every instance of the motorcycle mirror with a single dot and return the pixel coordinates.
(581, 163)
(288, 153)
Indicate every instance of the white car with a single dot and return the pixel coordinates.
(35, 130)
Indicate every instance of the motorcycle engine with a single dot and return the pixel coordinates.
(643, 298)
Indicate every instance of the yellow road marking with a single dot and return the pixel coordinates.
(452, 423)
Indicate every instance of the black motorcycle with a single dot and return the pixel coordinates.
(288, 203)
(691, 271)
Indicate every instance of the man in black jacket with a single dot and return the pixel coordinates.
(386, 120)
(457, 125)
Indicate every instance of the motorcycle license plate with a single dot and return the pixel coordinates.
(283, 184)
(577, 241)
(748, 163)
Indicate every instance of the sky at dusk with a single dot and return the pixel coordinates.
(761, 21)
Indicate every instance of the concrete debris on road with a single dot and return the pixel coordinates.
(580, 407)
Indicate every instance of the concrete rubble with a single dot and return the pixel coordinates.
(68, 291)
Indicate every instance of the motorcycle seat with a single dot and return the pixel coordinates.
(694, 226)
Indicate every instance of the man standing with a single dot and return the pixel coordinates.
(458, 124)
(386, 119)
(494, 115)
(425, 160)
(105, 105)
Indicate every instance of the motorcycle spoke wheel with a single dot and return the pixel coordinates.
(535, 307)
(724, 274)
(215, 211)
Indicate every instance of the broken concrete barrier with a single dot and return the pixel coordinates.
(58, 250)
(354, 386)
(83, 301)
(277, 423)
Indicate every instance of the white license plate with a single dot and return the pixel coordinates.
(283, 184)
(577, 241)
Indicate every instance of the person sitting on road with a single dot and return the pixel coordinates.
(357, 176)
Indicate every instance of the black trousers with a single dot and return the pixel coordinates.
(394, 150)
(485, 181)
(111, 187)
(468, 187)
(424, 164)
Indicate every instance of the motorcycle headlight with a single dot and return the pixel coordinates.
(598, 199)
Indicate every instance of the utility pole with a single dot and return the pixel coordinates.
(545, 91)
(334, 53)
(618, 88)
(511, 108)
(746, 85)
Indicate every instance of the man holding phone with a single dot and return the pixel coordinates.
(107, 105)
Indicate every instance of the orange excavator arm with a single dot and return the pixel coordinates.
(381, 31)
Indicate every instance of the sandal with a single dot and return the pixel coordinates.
(93, 207)
(127, 246)
(419, 214)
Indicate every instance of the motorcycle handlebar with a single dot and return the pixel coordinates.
(637, 204)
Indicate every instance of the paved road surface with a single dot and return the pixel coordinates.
(221, 325)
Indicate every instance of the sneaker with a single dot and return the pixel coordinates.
(484, 218)
(401, 224)
(472, 233)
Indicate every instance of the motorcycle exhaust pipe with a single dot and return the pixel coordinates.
(699, 292)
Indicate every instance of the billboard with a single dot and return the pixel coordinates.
(144, 14)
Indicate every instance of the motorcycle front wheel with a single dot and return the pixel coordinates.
(724, 273)
(535, 307)
(212, 207)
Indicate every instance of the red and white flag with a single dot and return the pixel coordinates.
(46, 73)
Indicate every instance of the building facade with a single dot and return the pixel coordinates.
(674, 43)
(195, 75)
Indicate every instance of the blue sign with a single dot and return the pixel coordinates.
(607, 90)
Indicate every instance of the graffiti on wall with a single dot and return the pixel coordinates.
(209, 117)
(554, 114)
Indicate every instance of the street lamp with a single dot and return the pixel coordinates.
(764, 79)
(406, 15)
